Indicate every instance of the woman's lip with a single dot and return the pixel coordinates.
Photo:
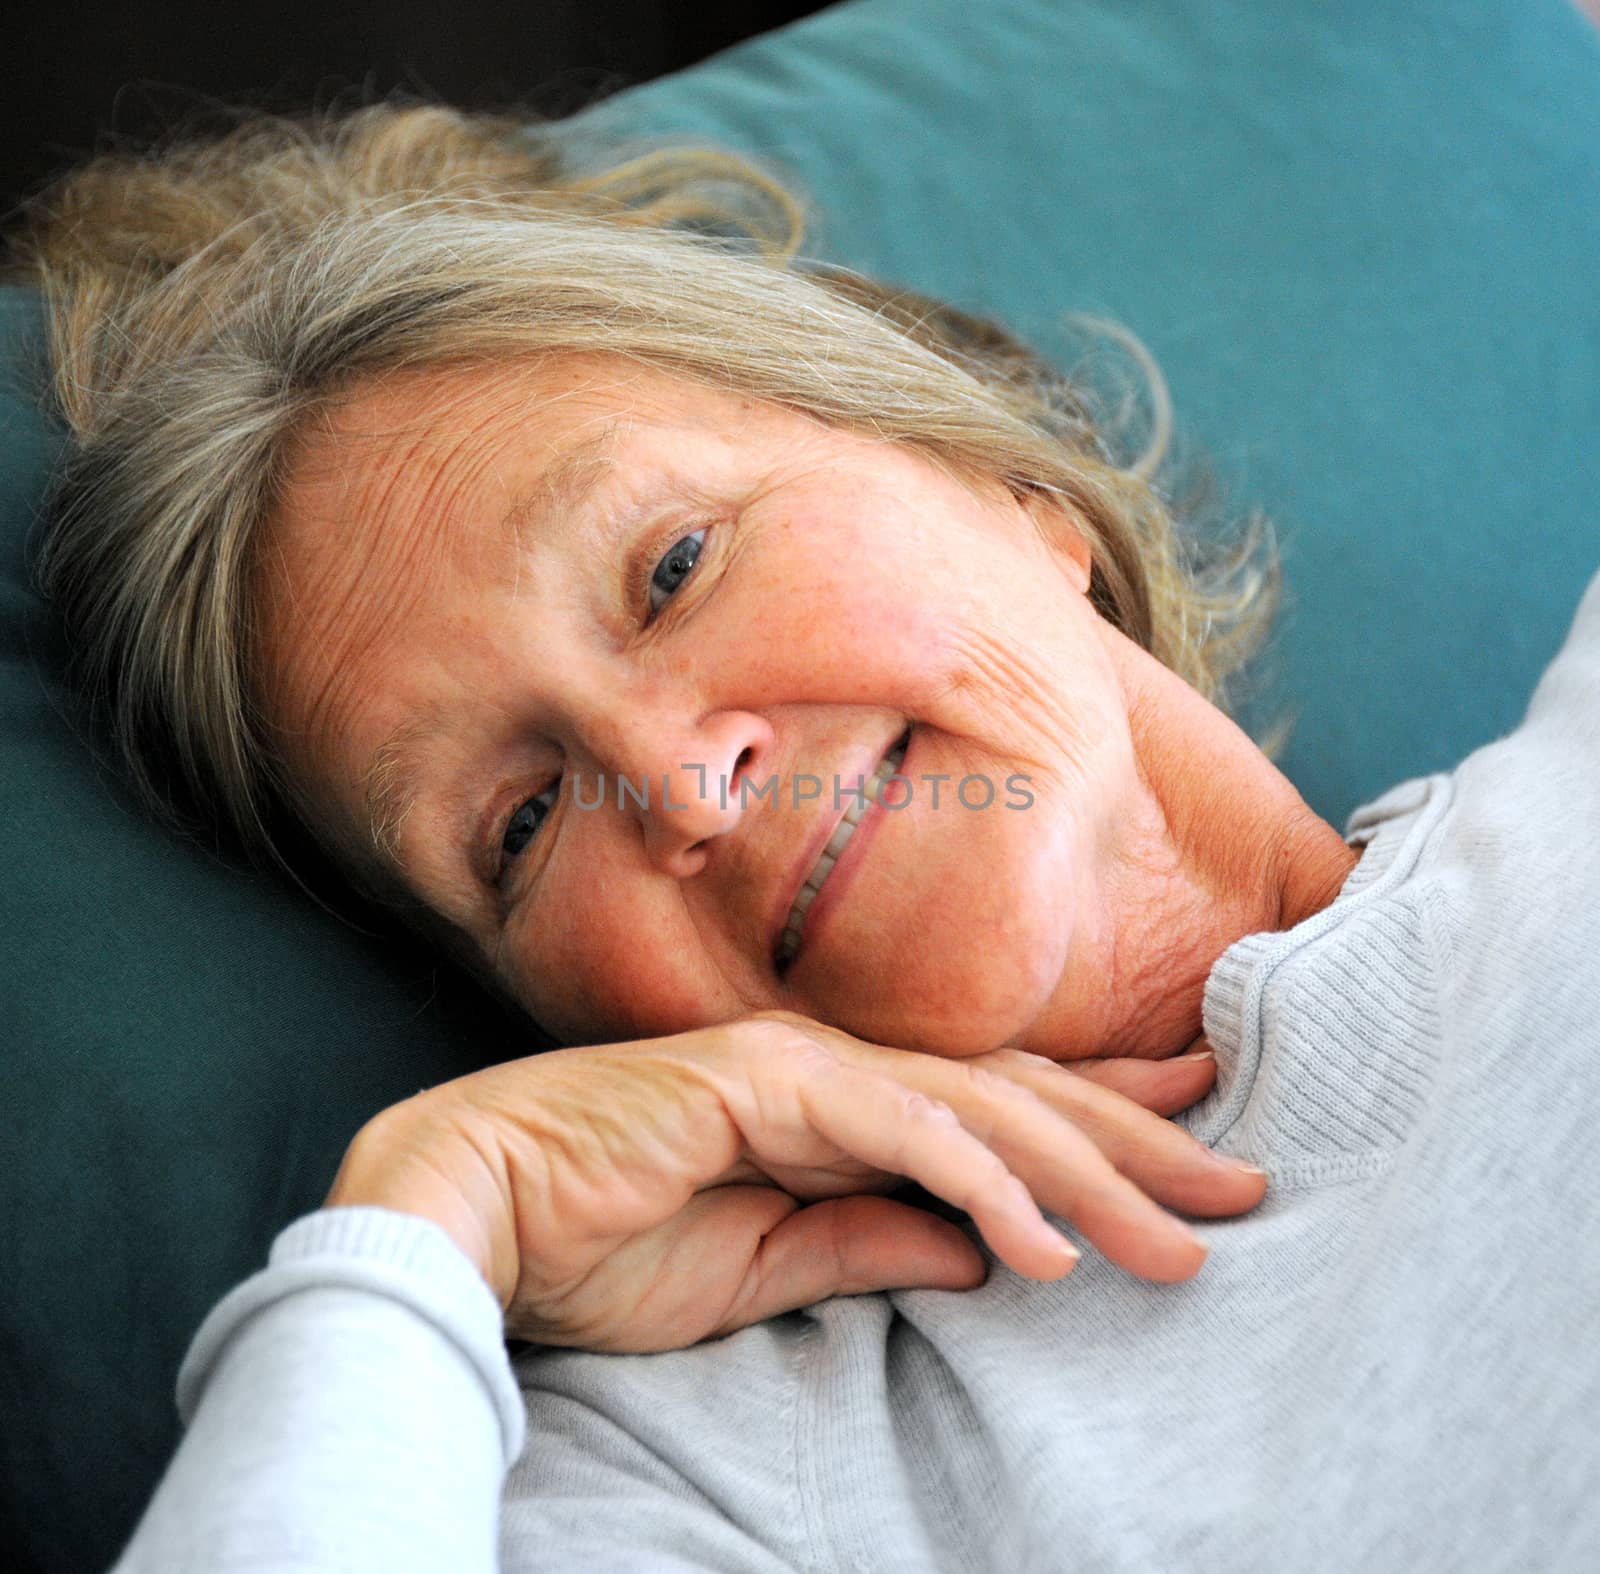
(828, 819)
(845, 866)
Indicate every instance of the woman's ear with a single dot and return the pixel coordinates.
(1068, 545)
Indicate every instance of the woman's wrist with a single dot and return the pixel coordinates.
(407, 1163)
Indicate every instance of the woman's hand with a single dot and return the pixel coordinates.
(645, 1196)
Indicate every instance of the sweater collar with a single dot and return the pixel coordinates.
(1392, 831)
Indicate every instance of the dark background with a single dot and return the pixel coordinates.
(79, 74)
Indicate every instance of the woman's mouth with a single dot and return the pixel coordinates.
(789, 940)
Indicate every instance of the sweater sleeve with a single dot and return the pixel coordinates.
(1567, 701)
(349, 1407)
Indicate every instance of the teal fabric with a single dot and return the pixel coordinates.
(1360, 240)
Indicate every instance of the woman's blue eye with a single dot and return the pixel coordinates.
(530, 815)
(674, 568)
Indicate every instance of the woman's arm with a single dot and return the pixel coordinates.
(349, 1407)
(352, 1406)
(646, 1196)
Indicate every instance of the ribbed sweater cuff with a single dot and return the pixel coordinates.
(399, 1256)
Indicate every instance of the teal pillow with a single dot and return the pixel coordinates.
(1361, 242)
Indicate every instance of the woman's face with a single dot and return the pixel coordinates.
(597, 643)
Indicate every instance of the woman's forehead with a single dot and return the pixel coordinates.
(432, 482)
(564, 390)
(406, 466)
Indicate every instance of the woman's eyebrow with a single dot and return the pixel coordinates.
(389, 788)
(562, 487)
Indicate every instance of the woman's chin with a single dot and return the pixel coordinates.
(948, 1016)
(956, 989)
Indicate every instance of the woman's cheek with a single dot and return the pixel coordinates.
(597, 976)
(547, 958)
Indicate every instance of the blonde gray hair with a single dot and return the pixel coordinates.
(208, 301)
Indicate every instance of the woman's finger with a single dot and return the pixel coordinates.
(898, 1129)
(1156, 1156)
(1071, 1174)
(850, 1246)
(983, 1139)
(993, 1156)
(1161, 1158)
(1162, 1086)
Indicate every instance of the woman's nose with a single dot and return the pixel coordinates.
(688, 782)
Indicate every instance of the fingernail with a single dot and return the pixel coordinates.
(1199, 1054)
(1249, 1169)
(1066, 1249)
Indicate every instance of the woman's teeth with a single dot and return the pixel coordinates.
(789, 941)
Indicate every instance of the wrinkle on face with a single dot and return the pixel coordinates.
(322, 639)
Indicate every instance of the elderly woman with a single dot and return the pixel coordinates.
(703, 645)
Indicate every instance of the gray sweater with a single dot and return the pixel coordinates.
(1391, 1364)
